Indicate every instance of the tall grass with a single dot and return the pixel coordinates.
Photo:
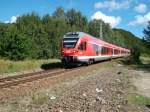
(138, 99)
(7, 66)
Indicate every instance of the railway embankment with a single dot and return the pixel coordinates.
(107, 86)
(11, 68)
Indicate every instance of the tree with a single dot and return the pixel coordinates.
(77, 21)
(95, 27)
(135, 55)
(59, 13)
(147, 34)
(55, 29)
(13, 45)
(36, 37)
(31, 26)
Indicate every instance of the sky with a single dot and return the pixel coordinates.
(131, 15)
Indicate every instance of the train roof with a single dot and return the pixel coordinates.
(77, 34)
(81, 34)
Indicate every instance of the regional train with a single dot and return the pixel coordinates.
(80, 47)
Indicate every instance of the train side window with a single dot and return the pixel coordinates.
(116, 51)
(82, 46)
(97, 49)
(112, 51)
(105, 50)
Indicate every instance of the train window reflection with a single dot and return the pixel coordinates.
(69, 45)
(105, 50)
(69, 42)
(97, 49)
(82, 46)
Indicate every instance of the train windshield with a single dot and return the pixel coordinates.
(69, 42)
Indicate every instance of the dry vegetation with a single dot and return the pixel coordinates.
(7, 66)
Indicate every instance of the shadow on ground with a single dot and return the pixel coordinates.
(57, 65)
(144, 67)
(48, 66)
(148, 106)
(138, 66)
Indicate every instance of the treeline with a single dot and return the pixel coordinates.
(35, 37)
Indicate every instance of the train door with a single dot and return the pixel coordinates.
(113, 52)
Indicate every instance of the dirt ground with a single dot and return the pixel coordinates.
(142, 83)
(102, 87)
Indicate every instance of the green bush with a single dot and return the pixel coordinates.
(135, 55)
(134, 58)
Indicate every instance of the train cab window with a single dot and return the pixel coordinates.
(69, 45)
(70, 40)
(82, 46)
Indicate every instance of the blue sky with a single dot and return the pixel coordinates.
(131, 15)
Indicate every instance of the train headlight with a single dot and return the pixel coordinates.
(75, 51)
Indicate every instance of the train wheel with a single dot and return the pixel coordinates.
(90, 61)
(93, 61)
(65, 64)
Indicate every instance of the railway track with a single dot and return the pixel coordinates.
(11, 81)
(30, 77)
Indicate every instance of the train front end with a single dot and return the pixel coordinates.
(69, 49)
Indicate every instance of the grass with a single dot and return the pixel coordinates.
(7, 66)
(39, 99)
(145, 59)
(138, 99)
(30, 101)
(145, 55)
(143, 62)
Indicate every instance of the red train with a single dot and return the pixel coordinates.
(79, 47)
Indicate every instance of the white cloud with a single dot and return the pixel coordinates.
(13, 19)
(112, 4)
(113, 21)
(6, 22)
(141, 8)
(140, 20)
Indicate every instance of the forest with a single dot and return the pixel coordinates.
(36, 37)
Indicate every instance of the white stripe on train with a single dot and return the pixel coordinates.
(96, 58)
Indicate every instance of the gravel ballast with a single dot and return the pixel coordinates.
(101, 87)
